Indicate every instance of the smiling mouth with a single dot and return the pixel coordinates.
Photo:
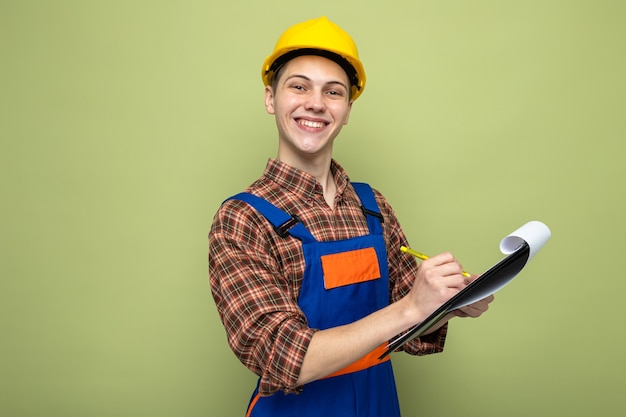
(310, 123)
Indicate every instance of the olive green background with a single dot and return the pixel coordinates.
(124, 124)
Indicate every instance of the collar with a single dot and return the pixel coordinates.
(302, 183)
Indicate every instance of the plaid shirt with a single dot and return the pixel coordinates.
(255, 274)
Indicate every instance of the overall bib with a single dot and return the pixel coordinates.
(343, 281)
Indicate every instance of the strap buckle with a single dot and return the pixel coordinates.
(373, 213)
(283, 229)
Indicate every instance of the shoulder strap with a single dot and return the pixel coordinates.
(369, 206)
(284, 223)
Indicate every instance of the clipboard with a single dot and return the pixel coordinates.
(520, 246)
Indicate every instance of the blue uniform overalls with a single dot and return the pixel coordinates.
(343, 281)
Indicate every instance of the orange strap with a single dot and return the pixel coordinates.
(252, 403)
(367, 361)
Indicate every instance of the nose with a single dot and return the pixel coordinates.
(315, 102)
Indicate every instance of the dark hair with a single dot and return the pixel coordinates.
(341, 61)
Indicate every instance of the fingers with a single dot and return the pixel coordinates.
(471, 278)
(475, 309)
(438, 279)
(446, 270)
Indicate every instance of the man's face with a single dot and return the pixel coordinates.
(311, 105)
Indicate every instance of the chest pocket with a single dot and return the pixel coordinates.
(351, 267)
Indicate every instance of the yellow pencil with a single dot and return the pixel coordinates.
(424, 257)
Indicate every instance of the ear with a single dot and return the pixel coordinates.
(269, 99)
(345, 120)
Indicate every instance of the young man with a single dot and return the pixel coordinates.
(305, 266)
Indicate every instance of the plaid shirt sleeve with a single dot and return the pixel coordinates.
(265, 327)
(402, 271)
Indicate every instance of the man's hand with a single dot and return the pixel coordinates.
(475, 309)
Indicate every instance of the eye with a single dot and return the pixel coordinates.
(297, 87)
(335, 93)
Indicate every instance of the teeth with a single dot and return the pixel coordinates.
(309, 123)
